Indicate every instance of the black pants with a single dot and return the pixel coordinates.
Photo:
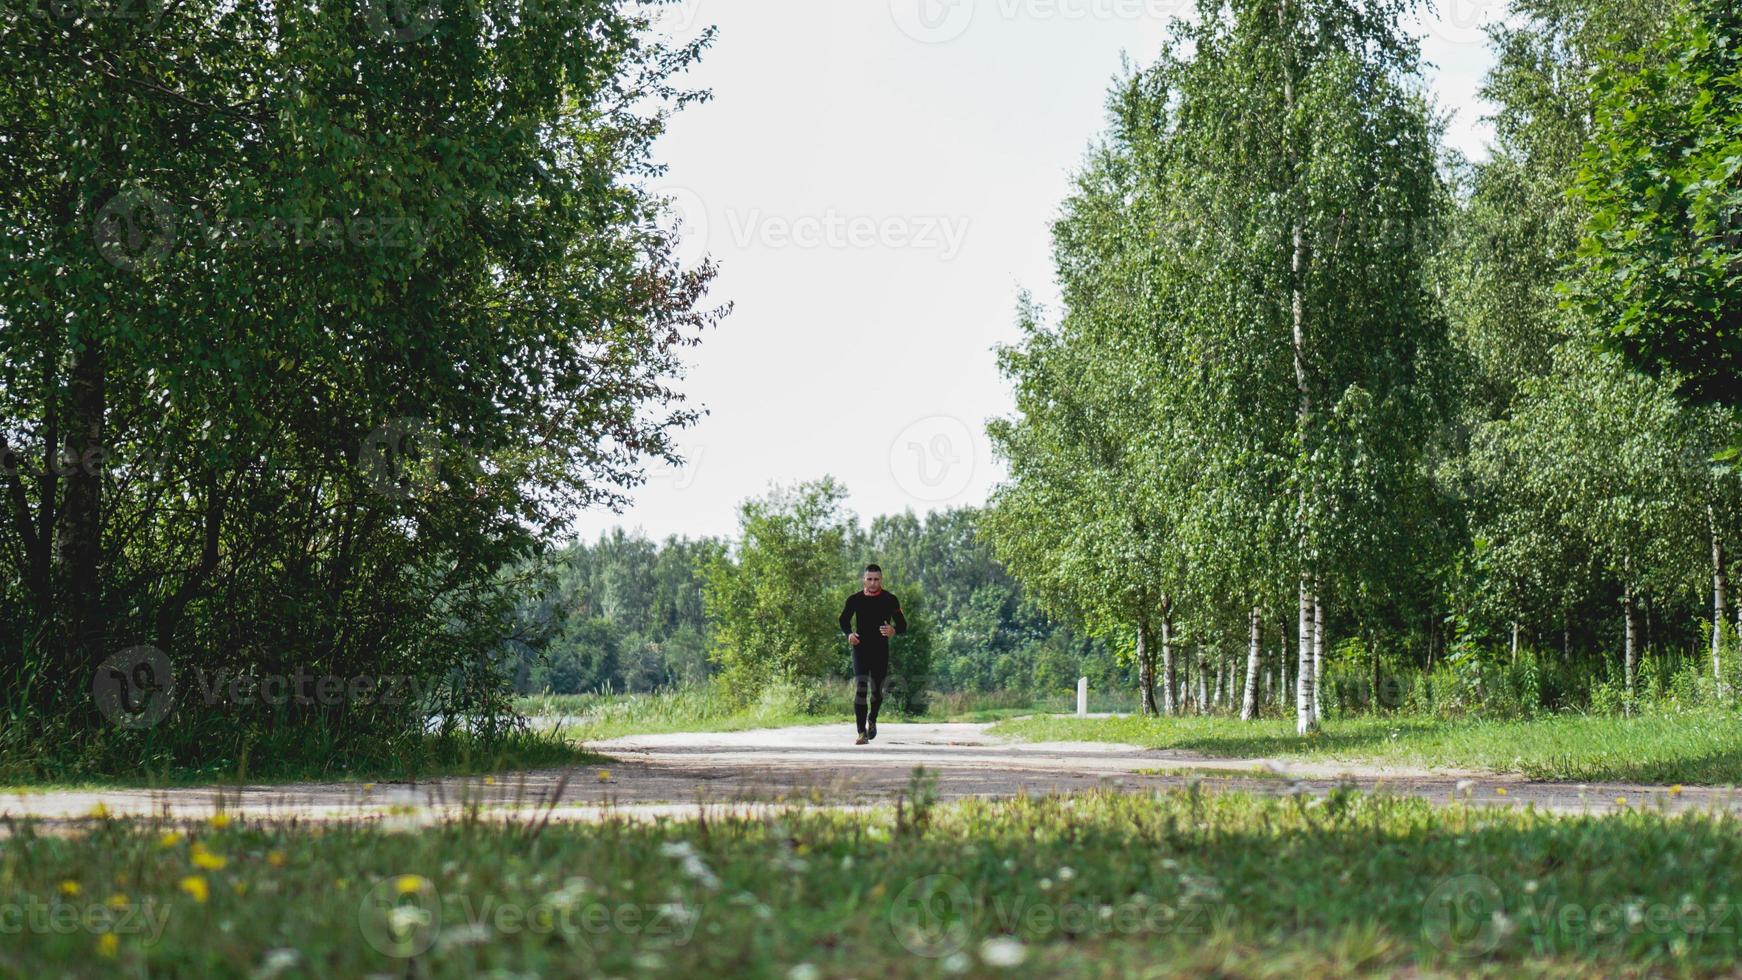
(870, 674)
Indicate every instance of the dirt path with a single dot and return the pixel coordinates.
(675, 774)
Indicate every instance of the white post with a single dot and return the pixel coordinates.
(1082, 697)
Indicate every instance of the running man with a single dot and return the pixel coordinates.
(879, 618)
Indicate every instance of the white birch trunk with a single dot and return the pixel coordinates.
(1216, 695)
(1318, 658)
(1146, 670)
(1304, 719)
(1630, 648)
(1170, 682)
(1203, 671)
(1720, 601)
(1249, 703)
(1285, 680)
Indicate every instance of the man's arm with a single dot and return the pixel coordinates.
(900, 620)
(847, 617)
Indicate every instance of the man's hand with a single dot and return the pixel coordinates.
(886, 630)
(852, 639)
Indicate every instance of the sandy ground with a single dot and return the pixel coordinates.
(685, 774)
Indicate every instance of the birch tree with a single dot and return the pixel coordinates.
(1516, 231)
(1308, 157)
(1100, 465)
(1616, 454)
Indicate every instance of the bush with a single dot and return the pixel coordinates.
(774, 604)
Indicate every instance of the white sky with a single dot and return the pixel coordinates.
(876, 179)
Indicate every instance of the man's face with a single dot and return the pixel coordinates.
(873, 582)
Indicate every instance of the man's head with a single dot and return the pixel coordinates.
(873, 579)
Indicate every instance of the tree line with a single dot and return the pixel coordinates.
(1325, 402)
(758, 610)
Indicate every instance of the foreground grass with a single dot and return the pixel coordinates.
(1189, 882)
(1698, 747)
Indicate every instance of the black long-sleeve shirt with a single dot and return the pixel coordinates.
(872, 611)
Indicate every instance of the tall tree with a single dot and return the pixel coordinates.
(1083, 522)
(1516, 231)
(1065, 454)
(1519, 227)
(1307, 154)
(1661, 259)
(337, 315)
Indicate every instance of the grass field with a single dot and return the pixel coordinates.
(459, 755)
(1698, 747)
(1191, 882)
(690, 708)
(705, 708)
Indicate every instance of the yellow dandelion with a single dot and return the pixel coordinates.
(1675, 790)
(408, 884)
(1620, 801)
(205, 859)
(1499, 791)
(196, 886)
(108, 945)
(877, 890)
(368, 787)
(220, 820)
(341, 883)
(604, 775)
(118, 901)
(489, 780)
(99, 812)
(69, 888)
(276, 859)
(169, 840)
